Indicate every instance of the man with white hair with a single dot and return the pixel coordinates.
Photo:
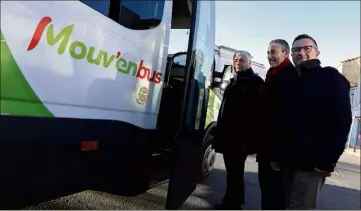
(236, 127)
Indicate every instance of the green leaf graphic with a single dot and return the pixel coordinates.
(16, 95)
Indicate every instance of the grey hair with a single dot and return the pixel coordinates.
(241, 52)
(282, 43)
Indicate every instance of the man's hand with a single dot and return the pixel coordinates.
(326, 173)
(274, 166)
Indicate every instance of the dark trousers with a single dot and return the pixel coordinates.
(272, 187)
(234, 161)
(302, 189)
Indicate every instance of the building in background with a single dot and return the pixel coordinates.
(350, 68)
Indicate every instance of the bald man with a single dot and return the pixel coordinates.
(236, 127)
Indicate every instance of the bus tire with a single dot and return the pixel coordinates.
(208, 157)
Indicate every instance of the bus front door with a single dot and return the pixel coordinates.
(184, 173)
(188, 153)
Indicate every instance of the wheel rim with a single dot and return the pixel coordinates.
(208, 160)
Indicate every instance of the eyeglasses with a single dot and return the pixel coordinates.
(307, 49)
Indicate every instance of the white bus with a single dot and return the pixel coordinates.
(90, 98)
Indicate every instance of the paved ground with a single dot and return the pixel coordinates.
(354, 152)
(341, 191)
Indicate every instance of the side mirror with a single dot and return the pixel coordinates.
(223, 87)
(217, 79)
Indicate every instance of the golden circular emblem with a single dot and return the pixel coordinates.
(141, 95)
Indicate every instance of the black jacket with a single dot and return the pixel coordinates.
(238, 113)
(317, 119)
(272, 98)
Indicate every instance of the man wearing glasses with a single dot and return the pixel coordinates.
(317, 124)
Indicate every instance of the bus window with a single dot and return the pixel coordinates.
(141, 15)
(180, 60)
(136, 15)
(100, 6)
(204, 57)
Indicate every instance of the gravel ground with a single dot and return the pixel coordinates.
(341, 191)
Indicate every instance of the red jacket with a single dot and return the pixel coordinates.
(272, 101)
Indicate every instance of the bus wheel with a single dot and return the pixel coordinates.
(209, 158)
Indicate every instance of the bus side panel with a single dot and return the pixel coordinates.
(214, 104)
(80, 65)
